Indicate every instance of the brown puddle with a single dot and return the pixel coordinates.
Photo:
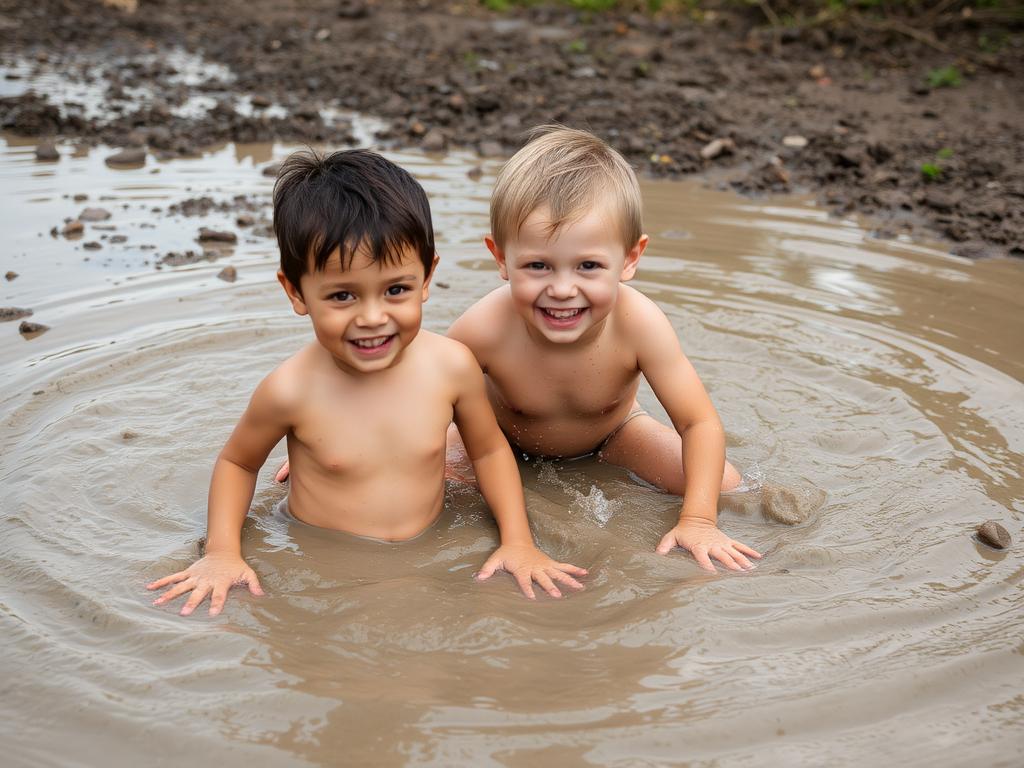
(887, 374)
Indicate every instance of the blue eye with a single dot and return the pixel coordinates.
(397, 290)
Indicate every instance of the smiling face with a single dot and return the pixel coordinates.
(365, 316)
(564, 285)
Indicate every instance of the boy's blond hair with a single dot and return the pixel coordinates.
(569, 171)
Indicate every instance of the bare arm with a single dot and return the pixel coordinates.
(680, 391)
(262, 425)
(501, 486)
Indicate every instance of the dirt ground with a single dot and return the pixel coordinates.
(921, 133)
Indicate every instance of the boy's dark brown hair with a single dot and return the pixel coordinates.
(348, 200)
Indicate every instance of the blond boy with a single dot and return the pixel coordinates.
(564, 344)
(366, 406)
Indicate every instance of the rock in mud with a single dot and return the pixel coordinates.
(207, 235)
(794, 142)
(31, 330)
(94, 214)
(790, 505)
(127, 157)
(272, 170)
(13, 313)
(117, 239)
(10, 275)
(993, 534)
(73, 227)
(475, 172)
(491, 149)
(259, 101)
(92, 245)
(434, 141)
(228, 274)
(47, 151)
(717, 147)
(245, 220)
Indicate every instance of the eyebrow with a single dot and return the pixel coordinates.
(401, 279)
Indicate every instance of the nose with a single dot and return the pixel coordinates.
(372, 313)
(562, 287)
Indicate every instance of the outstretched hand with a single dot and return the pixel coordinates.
(704, 541)
(527, 564)
(213, 575)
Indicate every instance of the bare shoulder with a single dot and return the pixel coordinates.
(636, 312)
(485, 323)
(451, 355)
(284, 389)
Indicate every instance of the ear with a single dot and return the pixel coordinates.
(633, 258)
(430, 274)
(293, 293)
(499, 256)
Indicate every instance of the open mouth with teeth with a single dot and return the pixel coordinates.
(374, 345)
(562, 318)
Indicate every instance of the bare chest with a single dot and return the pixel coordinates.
(579, 384)
(360, 432)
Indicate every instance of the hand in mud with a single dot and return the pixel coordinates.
(528, 564)
(283, 472)
(213, 575)
(703, 540)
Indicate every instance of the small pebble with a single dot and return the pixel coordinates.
(228, 274)
(217, 236)
(127, 157)
(73, 227)
(475, 172)
(441, 284)
(993, 534)
(47, 151)
(31, 330)
(129, 435)
(92, 245)
(10, 275)
(13, 313)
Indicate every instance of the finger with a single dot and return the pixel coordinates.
(739, 558)
(575, 570)
(217, 600)
(700, 554)
(525, 584)
(748, 551)
(488, 570)
(565, 578)
(254, 584)
(174, 592)
(667, 544)
(282, 473)
(547, 584)
(174, 577)
(198, 595)
(723, 556)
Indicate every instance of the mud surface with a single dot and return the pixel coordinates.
(863, 118)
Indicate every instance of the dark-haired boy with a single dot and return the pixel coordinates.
(365, 407)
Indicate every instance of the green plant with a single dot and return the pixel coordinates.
(577, 46)
(497, 5)
(944, 154)
(945, 77)
(931, 171)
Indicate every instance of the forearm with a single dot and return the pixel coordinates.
(703, 465)
(231, 491)
(502, 489)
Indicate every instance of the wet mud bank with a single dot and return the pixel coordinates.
(920, 134)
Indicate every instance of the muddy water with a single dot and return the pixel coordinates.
(884, 373)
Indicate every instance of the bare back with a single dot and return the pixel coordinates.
(553, 400)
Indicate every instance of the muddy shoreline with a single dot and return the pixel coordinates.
(866, 123)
